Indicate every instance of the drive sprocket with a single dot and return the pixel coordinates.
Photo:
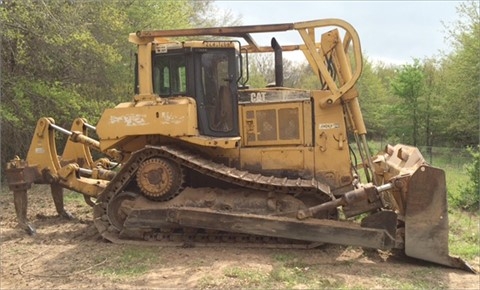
(160, 179)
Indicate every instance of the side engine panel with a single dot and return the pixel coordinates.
(286, 133)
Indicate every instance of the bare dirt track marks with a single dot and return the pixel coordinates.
(70, 254)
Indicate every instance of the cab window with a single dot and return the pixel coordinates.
(169, 75)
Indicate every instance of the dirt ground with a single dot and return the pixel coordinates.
(70, 254)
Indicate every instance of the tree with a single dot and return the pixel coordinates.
(262, 71)
(58, 59)
(409, 86)
(461, 77)
(373, 96)
(467, 197)
(309, 79)
(68, 59)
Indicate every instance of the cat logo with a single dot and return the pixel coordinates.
(257, 97)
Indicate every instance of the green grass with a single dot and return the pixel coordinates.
(287, 271)
(246, 276)
(464, 237)
(72, 196)
(289, 276)
(283, 257)
(235, 277)
(290, 271)
(394, 282)
(132, 261)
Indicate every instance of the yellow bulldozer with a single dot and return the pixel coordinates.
(198, 157)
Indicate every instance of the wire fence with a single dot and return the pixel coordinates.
(444, 156)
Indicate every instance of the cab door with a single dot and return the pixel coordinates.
(216, 92)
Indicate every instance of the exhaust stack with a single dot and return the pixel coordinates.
(278, 63)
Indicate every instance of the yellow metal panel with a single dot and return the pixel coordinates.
(307, 124)
(273, 124)
(43, 150)
(283, 159)
(220, 142)
(299, 159)
(145, 69)
(167, 119)
(211, 44)
(78, 152)
(332, 156)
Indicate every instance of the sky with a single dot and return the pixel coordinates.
(392, 32)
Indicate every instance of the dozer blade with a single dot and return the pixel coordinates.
(426, 219)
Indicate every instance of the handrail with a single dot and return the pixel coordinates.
(313, 50)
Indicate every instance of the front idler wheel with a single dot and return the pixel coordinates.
(119, 208)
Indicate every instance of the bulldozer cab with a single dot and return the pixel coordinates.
(206, 71)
